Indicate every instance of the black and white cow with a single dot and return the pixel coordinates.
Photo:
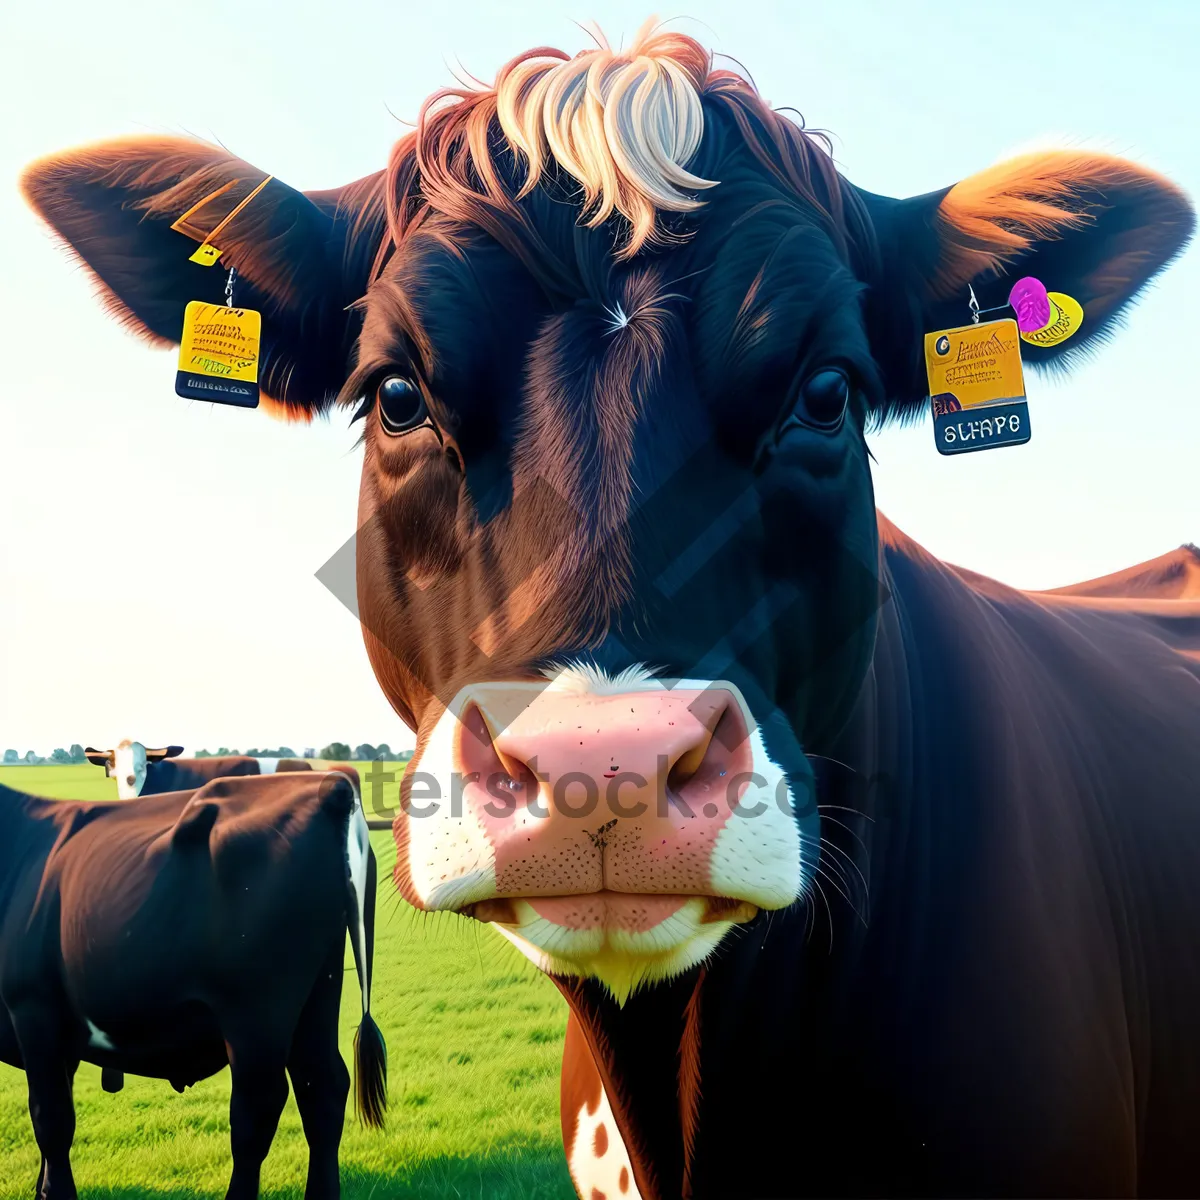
(170, 936)
(144, 772)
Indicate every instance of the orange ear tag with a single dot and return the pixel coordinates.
(977, 387)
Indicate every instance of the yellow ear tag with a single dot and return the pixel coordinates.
(977, 387)
(1066, 316)
(205, 255)
(218, 354)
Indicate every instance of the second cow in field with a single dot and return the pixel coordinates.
(176, 934)
(143, 772)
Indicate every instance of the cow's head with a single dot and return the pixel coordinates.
(127, 764)
(614, 331)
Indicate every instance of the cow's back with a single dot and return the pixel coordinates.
(1171, 576)
(187, 774)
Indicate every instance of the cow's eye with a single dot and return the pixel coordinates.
(823, 398)
(401, 405)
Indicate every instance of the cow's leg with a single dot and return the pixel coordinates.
(596, 1154)
(10, 1050)
(257, 1056)
(320, 1079)
(49, 1074)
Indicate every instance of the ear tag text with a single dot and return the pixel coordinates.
(218, 354)
(977, 387)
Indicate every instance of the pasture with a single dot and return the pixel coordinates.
(474, 1039)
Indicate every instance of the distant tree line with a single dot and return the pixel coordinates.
(58, 756)
(336, 751)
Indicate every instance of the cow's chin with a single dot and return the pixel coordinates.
(623, 940)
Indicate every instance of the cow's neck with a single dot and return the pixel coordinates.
(726, 1078)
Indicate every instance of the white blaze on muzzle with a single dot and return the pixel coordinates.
(615, 828)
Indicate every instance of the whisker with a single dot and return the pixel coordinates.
(828, 911)
(857, 869)
(846, 808)
(851, 832)
(836, 885)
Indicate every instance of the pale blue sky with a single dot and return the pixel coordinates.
(157, 556)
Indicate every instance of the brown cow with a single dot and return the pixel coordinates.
(173, 934)
(1171, 576)
(616, 331)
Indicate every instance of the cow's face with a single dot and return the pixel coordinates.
(128, 764)
(614, 349)
(129, 769)
(618, 558)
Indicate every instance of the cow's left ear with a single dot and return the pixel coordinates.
(99, 758)
(301, 258)
(1092, 226)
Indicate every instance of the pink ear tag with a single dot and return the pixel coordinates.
(1031, 303)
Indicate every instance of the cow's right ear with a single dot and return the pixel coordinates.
(99, 758)
(301, 259)
(163, 752)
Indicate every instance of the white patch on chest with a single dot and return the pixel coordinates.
(599, 1163)
(97, 1038)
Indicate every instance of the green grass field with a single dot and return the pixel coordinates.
(474, 1038)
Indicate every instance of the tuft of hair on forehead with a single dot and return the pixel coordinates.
(614, 133)
(623, 124)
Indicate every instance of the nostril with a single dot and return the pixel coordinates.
(129, 779)
(479, 756)
(688, 763)
(716, 764)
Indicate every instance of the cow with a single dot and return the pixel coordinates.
(140, 771)
(1171, 576)
(859, 874)
(177, 933)
(144, 772)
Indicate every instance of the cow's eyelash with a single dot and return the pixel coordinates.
(365, 404)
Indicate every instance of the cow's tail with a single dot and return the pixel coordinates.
(370, 1052)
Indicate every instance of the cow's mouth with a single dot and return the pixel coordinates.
(625, 939)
